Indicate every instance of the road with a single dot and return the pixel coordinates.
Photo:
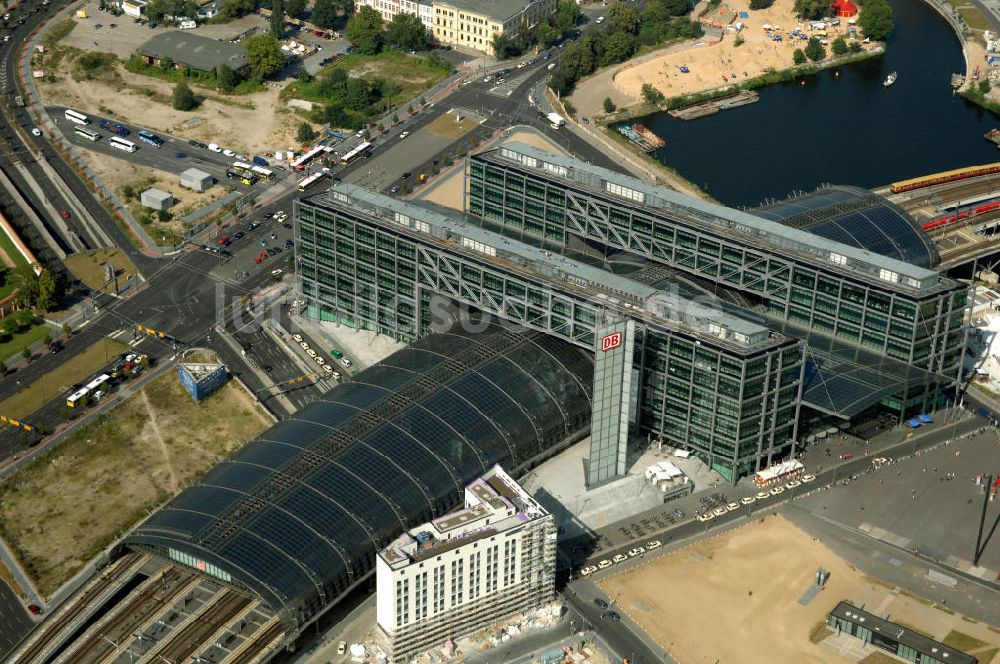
(14, 619)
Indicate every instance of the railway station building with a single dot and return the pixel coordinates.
(733, 334)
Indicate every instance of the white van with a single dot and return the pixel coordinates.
(187, 25)
(600, 19)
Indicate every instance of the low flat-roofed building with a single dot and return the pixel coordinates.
(186, 49)
(473, 23)
(489, 560)
(156, 199)
(893, 637)
(196, 179)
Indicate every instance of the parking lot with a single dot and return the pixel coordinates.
(123, 39)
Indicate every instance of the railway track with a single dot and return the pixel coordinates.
(128, 563)
(251, 650)
(101, 643)
(196, 634)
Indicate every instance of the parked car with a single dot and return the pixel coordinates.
(64, 214)
(35, 131)
(654, 544)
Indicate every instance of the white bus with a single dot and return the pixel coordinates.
(78, 397)
(77, 117)
(310, 181)
(89, 134)
(355, 153)
(262, 172)
(300, 163)
(122, 144)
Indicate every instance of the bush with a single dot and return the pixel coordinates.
(838, 46)
(760, 4)
(984, 87)
(184, 99)
(814, 50)
(739, 41)
(651, 94)
(609, 106)
(798, 57)
(305, 133)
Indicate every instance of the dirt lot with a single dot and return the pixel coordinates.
(252, 124)
(708, 62)
(71, 502)
(89, 267)
(746, 585)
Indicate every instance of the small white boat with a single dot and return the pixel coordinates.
(889, 80)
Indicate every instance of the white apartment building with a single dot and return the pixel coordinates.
(491, 559)
(389, 8)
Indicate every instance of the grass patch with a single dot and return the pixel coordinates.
(447, 127)
(819, 632)
(413, 75)
(65, 507)
(58, 32)
(54, 384)
(89, 267)
(200, 79)
(974, 18)
(879, 658)
(18, 342)
(961, 641)
(8, 247)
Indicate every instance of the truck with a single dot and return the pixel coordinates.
(114, 127)
(260, 161)
(556, 120)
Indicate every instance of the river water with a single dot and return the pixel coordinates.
(844, 129)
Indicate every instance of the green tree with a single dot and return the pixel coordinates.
(676, 7)
(3, 369)
(324, 13)
(305, 133)
(619, 47)
(26, 354)
(624, 16)
(811, 9)
(504, 47)
(651, 94)
(798, 57)
(814, 50)
(760, 4)
(234, 8)
(854, 47)
(227, 78)
(49, 290)
(407, 32)
(545, 34)
(875, 19)
(567, 15)
(838, 46)
(67, 330)
(364, 30)
(984, 87)
(264, 54)
(184, 99)
(25, 281)
(609, 106)
(295, 8)
(278, 18)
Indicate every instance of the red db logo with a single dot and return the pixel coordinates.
(611, 341)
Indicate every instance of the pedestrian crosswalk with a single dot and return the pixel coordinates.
(511, 82)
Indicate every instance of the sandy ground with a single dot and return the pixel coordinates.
(712, 65)
(449, 188)
(61, 508)
(250, 124)
(745, 585)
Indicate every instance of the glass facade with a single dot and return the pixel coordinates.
(735, 405)
(912, 323)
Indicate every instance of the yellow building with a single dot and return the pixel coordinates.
(473, 23)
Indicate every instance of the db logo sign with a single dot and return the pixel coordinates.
(611, 341)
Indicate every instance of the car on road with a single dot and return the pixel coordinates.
(588, 570)
(522, 65)
(342, 647)
(197, 144)
(179, 155)
(749, 500)
(654, 544)
(279, 215)
(55, 348)
(214, 148)
(336, 353)
(35, 609)
(304, 344)
(707, 516)
(64, 214)
(228, 153)
(404, 134)
(288, 244)
(776, 490)
(678, 512)
(604, 564)
(238, 234)
(619, 558)
(600, 602)
(793, 484)
(346, 362)
(808, 478)
(98, 26)
(761, 495)
(637, 551)
(719, 511)
(309, 351)
(35, 131)
(614, 617)
(113, 25)
(394, 190)
(488, 79)
(262, 256)
(732, 507)
(297, 338)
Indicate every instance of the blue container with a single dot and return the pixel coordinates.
(200, 380)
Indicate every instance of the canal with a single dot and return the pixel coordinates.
(840, 126)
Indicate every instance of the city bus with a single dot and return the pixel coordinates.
(114, 127)
(150, 137)
(356, 152)
(310, 181)
(242, 167)
(262, 173)
(77, 398)
(246, 178)
(300, 163)
(89, 134)
(122, 144)
(77, 117)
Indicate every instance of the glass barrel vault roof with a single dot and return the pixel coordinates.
(297, 515)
